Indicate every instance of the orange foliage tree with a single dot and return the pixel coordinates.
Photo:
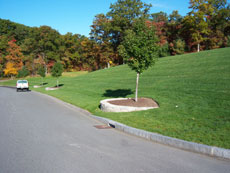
(14, 54)
(14, 59)
(10, 70)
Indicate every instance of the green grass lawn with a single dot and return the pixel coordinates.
(193, 91)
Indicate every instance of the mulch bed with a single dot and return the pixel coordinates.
(142, 102)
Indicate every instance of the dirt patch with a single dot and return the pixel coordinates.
(142, 102)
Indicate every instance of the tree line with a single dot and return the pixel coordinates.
(206, 26)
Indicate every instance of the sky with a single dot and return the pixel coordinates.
(73, 16)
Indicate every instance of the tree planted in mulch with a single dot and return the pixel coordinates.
(56, 71)
(42, 73)
(140, 48)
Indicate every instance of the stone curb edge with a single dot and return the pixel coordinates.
(174, 142)
(108, 107)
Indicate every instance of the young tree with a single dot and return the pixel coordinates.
(139, 48)
(42, 73)
(57, 70)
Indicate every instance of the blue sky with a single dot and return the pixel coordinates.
(74, 16)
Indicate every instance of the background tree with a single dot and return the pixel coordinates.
(177, 47)
(140, 48)
(160, 21)
(10, 70)
(71, 50)
(121, 17)
(23, 72)
(159, 17)
(15, 55)
(42, 73)
(174, 32)
(207, 26)
(56, 71)
(195, 25)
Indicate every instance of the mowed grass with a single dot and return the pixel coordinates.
(193, 91)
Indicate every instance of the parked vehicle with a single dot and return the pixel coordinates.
(22, 85)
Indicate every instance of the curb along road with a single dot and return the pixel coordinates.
(174, 142)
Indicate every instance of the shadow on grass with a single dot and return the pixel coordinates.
(42, 84)
(60, 85)
(118, 93)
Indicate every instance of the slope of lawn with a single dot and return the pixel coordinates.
(193, 91)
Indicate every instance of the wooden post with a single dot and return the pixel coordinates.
(138, 74)
(198, 47)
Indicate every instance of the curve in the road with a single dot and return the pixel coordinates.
(40, 134)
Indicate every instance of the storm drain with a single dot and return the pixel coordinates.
(103, 127)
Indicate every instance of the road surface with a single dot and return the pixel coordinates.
(41, 135)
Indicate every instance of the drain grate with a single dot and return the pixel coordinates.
(103, 127)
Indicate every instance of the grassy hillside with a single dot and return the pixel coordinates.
(193, 91)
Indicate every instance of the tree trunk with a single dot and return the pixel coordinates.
(43, 57)
(198, 47)
(33, 72)
(138, 74)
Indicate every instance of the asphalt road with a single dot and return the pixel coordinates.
(40, 135)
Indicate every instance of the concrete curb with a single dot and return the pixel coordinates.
(108, 107)
(37, 86)
(178, 143)
(51, 88)
(174, 142)
(8, 87)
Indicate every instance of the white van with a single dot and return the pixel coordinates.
(22, 85)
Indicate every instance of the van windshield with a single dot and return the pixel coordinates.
(22, 81)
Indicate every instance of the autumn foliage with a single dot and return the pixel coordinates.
(206, 26)
(10, 70)
(15, 55)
